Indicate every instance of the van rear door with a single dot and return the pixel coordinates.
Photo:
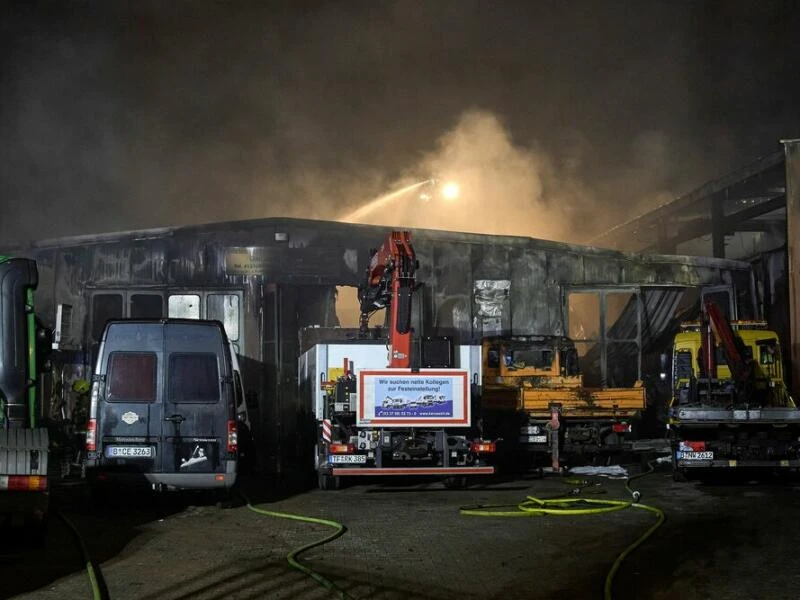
(198, 402)
(131, 414)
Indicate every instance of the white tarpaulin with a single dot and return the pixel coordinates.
(612, 471)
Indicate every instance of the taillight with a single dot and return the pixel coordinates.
(341, 448)
(23, 483)
(621, 427)
(233, 437)
(483, 447)
(94, 399)
(91, 435)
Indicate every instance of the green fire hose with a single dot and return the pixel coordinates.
(570, 507)
(291, 557)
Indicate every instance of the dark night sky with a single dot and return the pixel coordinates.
(557, 117)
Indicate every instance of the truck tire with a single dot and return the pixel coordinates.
(679, 475)
(455, 482)
(328, 482)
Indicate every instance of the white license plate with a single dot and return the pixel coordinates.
(129, 451)
(697, 455)
(533, 439)
(347, 458)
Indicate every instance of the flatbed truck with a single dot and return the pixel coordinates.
(730, 407)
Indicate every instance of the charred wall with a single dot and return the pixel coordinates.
(287, 270)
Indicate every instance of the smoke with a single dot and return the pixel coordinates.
(509, 188)
(120, 116)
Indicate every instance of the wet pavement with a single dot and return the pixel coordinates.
(406, 539)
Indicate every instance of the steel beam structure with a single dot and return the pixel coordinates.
(792, 149)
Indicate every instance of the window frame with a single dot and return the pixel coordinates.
(169, 383)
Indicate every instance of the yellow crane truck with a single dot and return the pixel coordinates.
(534, 396)
(730, 407)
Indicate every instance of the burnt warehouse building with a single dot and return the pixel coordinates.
(278, 285)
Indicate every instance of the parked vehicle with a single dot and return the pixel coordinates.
(730, 407)
(167, 406)
(24, 442)
(349, 387)
(535, 397)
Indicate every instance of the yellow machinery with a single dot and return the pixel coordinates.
(730, 406)
(533, 393)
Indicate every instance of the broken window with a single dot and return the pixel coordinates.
(184, 306)
(225, 308)
(348, 308)
(104, 308)
(146, 306)
(622, 318)
(584, 315)
(604, 325)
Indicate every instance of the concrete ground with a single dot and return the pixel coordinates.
(406, 539)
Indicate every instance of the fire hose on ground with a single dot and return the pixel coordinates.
(570, 507)
(531, 507)
(93, 572)
(291, 557)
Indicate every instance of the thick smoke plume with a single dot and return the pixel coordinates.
(507, 188)
(129, 115)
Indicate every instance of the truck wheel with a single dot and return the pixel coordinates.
(36, 531)
(679, 475)
(456, 482)
(328, 482)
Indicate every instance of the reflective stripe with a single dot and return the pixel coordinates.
(326, 430)
(413, 471)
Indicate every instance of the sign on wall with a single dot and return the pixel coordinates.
(400, 397)
(246, 261)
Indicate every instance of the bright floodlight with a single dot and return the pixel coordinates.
(450, 191)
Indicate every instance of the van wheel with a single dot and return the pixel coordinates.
(328, 482)
(223, 498)
(100, 495)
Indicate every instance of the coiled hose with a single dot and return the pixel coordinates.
(566, 507)
(291, 557)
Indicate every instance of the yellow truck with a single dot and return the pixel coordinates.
(730, 407)
(533, 394)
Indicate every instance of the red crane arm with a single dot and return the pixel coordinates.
(740, 367)
(389, 282)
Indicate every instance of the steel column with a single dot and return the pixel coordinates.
(717, 225)
(792, 149)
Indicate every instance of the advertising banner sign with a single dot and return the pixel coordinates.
(402, 398)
